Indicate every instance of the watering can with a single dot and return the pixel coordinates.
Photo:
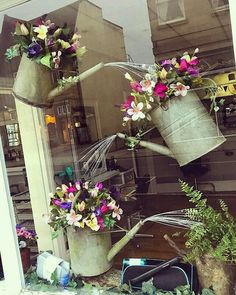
(186, 127)
(91, 253)
(34, 84)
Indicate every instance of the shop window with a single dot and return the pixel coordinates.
(170, 11)
(219, 5)
(6, 4)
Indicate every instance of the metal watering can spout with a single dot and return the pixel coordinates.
(121, 243)
(149, 145)
(60, 90)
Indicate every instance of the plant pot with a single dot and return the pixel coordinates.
(25, 258)
(88, 251)
(187, 128)
(33, 83)
(216, 274)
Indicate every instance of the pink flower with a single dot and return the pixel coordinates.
(160, 90)
(99, 186)
(56, 202)
(136, 111)
(183, 66)
(136, 86)
(100, 222)
(104, 209)
(127, 104)
(180, 89)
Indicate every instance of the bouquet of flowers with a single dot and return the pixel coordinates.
(162, 82)
(45, 43)
(25, 237)
(83, 205)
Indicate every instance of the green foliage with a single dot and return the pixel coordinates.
(215, 232)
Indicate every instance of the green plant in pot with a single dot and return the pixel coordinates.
(211, 242)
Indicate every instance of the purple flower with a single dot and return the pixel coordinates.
(166, 64)
(99, 186)
(34, 49)
(56, 202)
(193, 71)
(98, 211)
(66, 205)
(114, 192)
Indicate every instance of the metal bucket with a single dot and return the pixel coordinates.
(33, 83)
(187, 128)
(88, 251)
(216, 274)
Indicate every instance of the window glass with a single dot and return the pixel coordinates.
(75, 132)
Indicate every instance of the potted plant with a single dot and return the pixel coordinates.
(26, 238)
(167, 96)
(44, 48)
(87, 212)
(211, 242)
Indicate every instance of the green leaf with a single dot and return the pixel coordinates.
(80, 51)
(216, 108)
(46, 60)
(222, 101)
(54, 234)
(12, 52)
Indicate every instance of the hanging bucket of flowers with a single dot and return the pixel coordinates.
(167, 97)
(44, 48)
(87, 212)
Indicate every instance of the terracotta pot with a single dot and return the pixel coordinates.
(25, 258)
(216, 274)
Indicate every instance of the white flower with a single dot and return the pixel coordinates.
(151, 99)
(135, 112)
(128, 77)
(148, 83)
(180, 89)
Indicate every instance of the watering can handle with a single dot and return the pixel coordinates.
(121, 243)
(149, 145)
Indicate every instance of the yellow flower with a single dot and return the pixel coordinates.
(163, 74)
(93, 223)
(42, 31)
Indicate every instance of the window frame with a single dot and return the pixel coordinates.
(177, 20)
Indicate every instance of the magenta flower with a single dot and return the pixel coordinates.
(127, 104)
(100, 222)
(104, 209)
(160, 90)
(136, 86)
(71, 189)
(183, 66)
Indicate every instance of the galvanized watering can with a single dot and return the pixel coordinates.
(187, 129)
(91, 253)
(34, 84)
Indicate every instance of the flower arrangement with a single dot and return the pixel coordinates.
(25, 237)
(45, 43)
(83, 205)
(163, 81)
